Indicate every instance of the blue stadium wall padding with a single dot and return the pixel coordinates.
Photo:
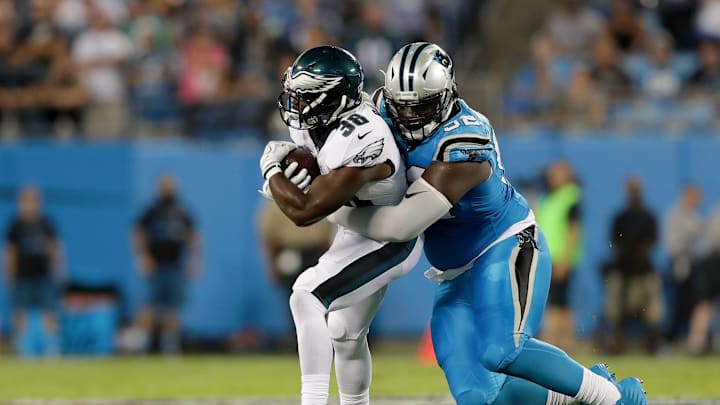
(95, 191)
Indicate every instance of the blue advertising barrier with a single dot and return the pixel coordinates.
(95, 191)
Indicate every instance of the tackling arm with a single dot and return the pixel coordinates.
(328, 193)
(426, 200)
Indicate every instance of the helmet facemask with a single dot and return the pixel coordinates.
(417, 119)
(302, 112)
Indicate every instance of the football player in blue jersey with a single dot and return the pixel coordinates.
(489, 256)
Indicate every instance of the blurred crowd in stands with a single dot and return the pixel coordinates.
(621, 65)
(211, 68)
(206, 68)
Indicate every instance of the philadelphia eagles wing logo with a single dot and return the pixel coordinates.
(310, 83)
(369, 153)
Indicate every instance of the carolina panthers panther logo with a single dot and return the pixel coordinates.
(306, 82)
(442, 58)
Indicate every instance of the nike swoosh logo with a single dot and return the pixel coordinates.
(408, 195)
(363, 135)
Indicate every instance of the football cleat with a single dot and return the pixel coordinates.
(603, 370)
(632, 392)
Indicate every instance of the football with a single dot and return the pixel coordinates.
(305, 159)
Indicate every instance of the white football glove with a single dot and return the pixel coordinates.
(275, 152)
(302, 180)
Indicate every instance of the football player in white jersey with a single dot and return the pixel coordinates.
(333, 303)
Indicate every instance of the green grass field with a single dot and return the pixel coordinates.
(277, 376)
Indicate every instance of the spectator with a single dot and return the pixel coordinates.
(537, 85)
(632, 288)
(100, 54)
(252, 46)
(251, 97)
(582, 107)
(625, 25)
(372, 43)
(707, 287)
(150, 21)
(40, 48)
(678, 17)
(682, 234)
(220, 16)
(413, 14)
(33, 264)
(204, 66)
(660, 80)
(317, 22)
(708, 19)
(437, 31)
(71, 17)
(116, 11)
(291, 249)
(574, 28)
(706, 78)
(65, 97)
(152, 76)
(558, 213)
(8, 70)
(611, 80)
(166, 245)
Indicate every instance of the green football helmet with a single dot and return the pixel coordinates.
(321, 84)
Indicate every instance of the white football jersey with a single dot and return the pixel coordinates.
(361, 139)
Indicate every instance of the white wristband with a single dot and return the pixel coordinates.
(273, 170)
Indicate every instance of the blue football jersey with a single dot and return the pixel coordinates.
(488, 210)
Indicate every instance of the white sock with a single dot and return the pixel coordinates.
(314, 347)
(315, 389)
(556, 398)
(360, 399)
(353, 369)
(597, 390)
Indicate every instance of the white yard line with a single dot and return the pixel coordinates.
(291, 401)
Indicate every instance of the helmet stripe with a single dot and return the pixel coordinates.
(402, 66)
(413, 62)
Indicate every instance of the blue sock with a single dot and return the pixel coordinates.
(547, 366)
(519, 391)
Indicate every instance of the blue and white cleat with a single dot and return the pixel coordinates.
(631, 391)
(603, 370)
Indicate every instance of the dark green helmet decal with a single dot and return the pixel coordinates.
(322, 83)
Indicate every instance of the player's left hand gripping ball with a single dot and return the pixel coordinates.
(302, 180)
(274, 153)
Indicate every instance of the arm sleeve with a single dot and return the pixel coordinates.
(421, 207)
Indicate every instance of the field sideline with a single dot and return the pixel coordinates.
(395, 375)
